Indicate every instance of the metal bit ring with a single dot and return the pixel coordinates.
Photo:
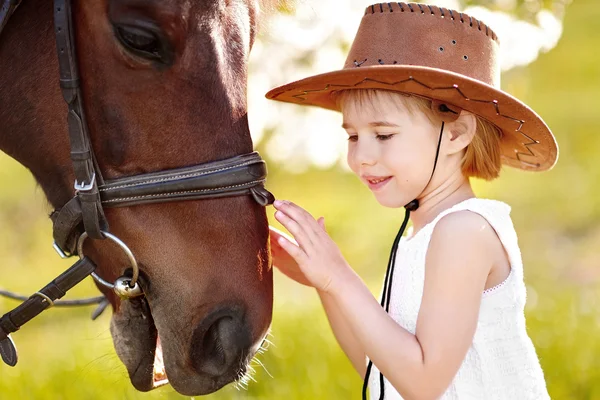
(126, 250)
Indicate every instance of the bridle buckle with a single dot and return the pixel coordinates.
(83, 187)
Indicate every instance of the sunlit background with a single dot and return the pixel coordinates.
(550, 61)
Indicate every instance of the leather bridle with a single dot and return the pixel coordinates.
(83, 216)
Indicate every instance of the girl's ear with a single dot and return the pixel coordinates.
(460, 133)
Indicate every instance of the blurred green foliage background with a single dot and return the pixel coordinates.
(64, 355)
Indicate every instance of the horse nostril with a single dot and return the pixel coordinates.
(213, 346)
(220, 343)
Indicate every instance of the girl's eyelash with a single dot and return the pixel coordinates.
(354, 138)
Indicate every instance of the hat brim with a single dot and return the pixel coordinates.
(527, 142)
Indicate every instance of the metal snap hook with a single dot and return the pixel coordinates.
(124, 290)
(124, 287)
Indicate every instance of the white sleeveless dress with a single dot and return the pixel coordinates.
(501, 363)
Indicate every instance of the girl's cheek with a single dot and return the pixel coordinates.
(350, 159)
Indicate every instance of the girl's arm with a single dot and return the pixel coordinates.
(419, 366)
(341, 330)
(422, 366)
(343, 333)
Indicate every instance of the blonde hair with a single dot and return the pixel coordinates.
(482, 155)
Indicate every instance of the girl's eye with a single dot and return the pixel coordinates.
(353, 138)
(384, 137)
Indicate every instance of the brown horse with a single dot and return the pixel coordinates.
(163, 86)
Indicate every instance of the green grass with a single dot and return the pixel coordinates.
(64, 355)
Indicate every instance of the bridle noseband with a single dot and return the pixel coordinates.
(83, 216)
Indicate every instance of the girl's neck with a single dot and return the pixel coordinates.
(435, 200)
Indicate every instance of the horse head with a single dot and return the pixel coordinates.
(163, 87)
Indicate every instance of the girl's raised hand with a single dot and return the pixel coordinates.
(318, 258)
(282, 260)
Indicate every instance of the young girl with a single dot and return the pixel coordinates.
(421, 104)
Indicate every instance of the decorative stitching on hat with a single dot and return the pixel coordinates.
(435, 11)
(495, 103)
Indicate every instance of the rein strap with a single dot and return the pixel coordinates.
(38, 302)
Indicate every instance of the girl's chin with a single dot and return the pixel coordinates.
(390, 202)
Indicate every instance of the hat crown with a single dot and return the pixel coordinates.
(423, 35)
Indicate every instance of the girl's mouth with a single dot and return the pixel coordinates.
(376, 183)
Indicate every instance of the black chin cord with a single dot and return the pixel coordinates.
(389, 274)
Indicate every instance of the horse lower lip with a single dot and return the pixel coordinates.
(159, 374)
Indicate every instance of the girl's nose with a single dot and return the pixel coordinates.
(365, 154)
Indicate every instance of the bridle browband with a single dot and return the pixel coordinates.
(83, 216)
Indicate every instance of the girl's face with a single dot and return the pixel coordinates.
(391, 149)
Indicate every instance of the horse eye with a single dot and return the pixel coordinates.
(141, 42)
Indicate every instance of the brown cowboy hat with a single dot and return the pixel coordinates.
(439, 54)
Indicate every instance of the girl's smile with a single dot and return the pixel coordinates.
(376, 183)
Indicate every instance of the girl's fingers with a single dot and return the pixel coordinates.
(294, 228)
(294, 211)
(321, 222)
(296, 252)
(276, 234)
(301, 216)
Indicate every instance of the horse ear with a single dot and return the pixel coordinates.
(445, 112)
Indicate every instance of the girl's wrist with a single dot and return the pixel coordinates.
(342, 283)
